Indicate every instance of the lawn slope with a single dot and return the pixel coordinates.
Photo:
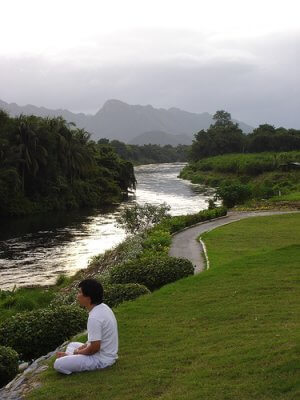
(227, 333)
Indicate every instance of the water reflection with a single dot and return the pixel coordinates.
(34, 250)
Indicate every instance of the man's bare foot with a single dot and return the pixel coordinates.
(60, 354)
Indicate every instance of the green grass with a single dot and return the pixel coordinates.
(24, 299)
(229, 333)
(287, 197)
(246, 163)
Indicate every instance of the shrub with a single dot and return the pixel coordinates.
(35, 333)
(8, 364)
(115, 294)
(65, 298)
(180, 222)
(157, 240)
(152, 272)
(232, 194)
(140, 218)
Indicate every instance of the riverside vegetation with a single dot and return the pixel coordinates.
(135, 267)
(48, 164)
(228, 333)
(249, 178)
(261, 169)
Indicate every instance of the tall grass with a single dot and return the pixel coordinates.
(247, 164)
(263, 173)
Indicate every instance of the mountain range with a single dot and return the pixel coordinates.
(134, 124)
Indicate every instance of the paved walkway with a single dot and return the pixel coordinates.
(185, 243)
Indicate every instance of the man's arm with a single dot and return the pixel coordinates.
(88, 350)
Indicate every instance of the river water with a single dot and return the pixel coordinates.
(34, 250)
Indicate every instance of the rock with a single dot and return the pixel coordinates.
(23, 366)
(18, 382)
(41, 369)
(31, 368)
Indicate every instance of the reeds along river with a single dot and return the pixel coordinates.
(35, 250)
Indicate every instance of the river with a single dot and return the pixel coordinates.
(34, 250)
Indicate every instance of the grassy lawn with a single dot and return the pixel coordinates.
(228, 333)
(24, 299)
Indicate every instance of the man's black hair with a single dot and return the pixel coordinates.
(93, 289)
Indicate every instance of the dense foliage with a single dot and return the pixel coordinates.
(240, 177)
(153, 272)
(148, 153)
(180, 222)
(155, 242)
(8, 364)
(49, 164)
(139, 218)
(233, 193)
(35, 333)
(115, 294)
(224, 137)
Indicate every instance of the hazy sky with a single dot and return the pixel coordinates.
(239, 55)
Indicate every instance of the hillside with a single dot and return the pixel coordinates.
(118, 120)
(223, 334)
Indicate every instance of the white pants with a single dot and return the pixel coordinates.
(77, 363)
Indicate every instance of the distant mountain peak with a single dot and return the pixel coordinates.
(122, 121)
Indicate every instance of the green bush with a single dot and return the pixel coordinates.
(180, 222)
(115, 294)
(232, 194)
(8, 364)
(152, 272)
(65, 298)
(157, 240)
(35, 333)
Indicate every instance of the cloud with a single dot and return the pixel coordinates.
(256, 79)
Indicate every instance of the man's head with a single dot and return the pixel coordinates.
(90, 293)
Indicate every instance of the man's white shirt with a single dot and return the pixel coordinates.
(102, 325)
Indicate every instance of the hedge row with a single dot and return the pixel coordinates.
(8, 364)
(177, 223)
(35, 333)
(153, 272)
(113, 294)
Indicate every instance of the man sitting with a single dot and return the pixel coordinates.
(101, 350)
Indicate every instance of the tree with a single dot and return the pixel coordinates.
(222, 137)
(222, 118)
(140, 218)
(31, 153)
(233, 193)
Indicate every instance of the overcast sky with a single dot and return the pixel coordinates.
(198, 55)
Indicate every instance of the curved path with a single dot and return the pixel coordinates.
(185, 243)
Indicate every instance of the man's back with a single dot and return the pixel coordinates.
(102, 325)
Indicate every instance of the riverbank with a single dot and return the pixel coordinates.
(225, 323)
(148, 249)
(35, 250)
(251, 181)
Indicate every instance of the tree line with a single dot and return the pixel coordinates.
(148, 153)
(225, 136)
(49, 164)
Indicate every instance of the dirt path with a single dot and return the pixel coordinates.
(185, 243)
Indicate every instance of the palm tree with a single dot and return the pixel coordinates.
(31, 153)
